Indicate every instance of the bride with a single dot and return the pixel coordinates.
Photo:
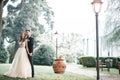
(20, 66)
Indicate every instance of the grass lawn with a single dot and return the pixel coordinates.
(44, 73)
(113, 71)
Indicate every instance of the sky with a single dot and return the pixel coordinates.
(77, 16)
(73, 16)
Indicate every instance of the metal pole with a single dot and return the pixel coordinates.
(94, 47)
(56, 49)
(87, 47)
(97, 47)
(83, 46)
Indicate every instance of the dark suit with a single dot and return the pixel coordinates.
(30, 48)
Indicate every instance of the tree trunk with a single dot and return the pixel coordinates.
(1, 10)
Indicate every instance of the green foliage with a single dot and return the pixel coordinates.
(116, 36)
(14, 0)
(112, 25)
(118, 58)
(3, 54)
(11, 51)
(20, 18)
(102, 59)
(24, 16)
(79, 60)
(5, 2)
(44, 55)
(88, 61)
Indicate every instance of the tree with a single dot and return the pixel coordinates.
(3, 54)
(44, 55)
(2, 4)
(20, 18)
(112, 24)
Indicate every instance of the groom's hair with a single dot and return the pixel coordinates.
(27, 30)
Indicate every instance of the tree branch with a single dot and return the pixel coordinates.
(9, 40)
(22, 3)
(5, 2)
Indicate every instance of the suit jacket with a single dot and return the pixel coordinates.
(30, 44)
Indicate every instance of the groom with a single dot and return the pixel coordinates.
(30, 48)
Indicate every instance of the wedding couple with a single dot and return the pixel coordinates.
(22, 66)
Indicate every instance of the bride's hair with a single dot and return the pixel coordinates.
(22, 38)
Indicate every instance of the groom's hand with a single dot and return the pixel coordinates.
(30, 54)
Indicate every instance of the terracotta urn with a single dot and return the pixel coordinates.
(59, 66)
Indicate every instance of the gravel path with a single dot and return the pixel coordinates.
(76, 69)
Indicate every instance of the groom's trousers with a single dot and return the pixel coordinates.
(31, 62)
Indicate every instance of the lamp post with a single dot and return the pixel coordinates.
(97, 6)
(56, 34)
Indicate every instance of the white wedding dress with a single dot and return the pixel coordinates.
(20, 66)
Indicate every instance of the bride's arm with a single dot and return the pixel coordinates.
(26, 46)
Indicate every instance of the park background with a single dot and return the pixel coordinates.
(65, 27)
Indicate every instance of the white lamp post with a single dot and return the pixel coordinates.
(97, 7)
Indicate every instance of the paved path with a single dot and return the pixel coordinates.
(76, 69)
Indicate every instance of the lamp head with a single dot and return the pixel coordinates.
(97, 5)
(56, 34)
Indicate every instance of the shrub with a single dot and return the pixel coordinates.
(88, 61)
(44, 55)
(3, 55)
(79, 60)
(102, 59)
(119, 59)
